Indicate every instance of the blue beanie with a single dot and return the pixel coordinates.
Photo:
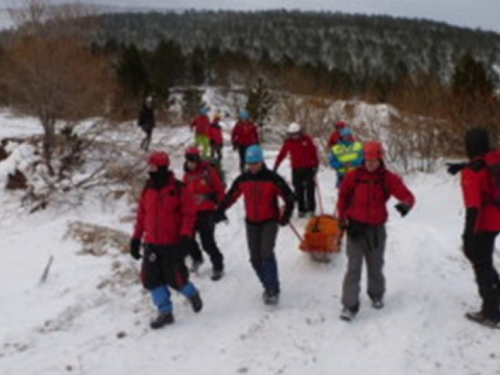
(254, 154)
(204, 110)
(244, 115)
(345, 132)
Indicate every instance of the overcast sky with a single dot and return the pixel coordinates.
(483, 14)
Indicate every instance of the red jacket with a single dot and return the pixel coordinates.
(303, 153)
(261, 191)
(363, 195)
(205, 185)
(165, 214)
(201, 125)
(216, 133)
(244, 134)
(335, 138)
(477, 188)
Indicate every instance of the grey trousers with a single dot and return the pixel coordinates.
(368, 245)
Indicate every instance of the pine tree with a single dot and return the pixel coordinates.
(131, 73)
(192, 101)
(260, 103)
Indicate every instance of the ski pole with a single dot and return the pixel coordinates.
(320, 201)
(294, 230)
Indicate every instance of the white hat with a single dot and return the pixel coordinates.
(293, 128)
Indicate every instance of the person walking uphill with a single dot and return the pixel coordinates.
(361, 207)
(165, 222)
(205, 184)
(201, 127)
(346, 155)
(481, 194)
(304, 163)
(261, 188)
(244, 134)
(146, 122)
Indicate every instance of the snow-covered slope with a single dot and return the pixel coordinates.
(90, 316)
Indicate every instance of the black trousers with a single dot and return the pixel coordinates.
(163, 265)
(479, 250)
(242, 150)
(205, 227)
(148, 130)
(304, 186)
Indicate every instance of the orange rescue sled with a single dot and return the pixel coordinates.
(323, 235)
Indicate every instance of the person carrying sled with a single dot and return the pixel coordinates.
(304, 161)
(205, 185)
(201, 127)
(361, 208)
(244, 134)
(335, 135)
(480, 181)
(146, 121)
(261, 188)
(216, 139)
(164, 225)
(346, 155)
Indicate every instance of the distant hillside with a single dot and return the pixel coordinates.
(359, 45)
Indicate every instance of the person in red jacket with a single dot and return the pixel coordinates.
(244, 134)
(361, 207)
(261, 188)
(304, 163)
(216, 139)
(336, 137)
(164, 224)
(205, 184)
(482, 224)
(201, 127)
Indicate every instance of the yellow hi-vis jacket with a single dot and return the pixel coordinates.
(346, 157)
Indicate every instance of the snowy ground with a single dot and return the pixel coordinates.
(86, 320)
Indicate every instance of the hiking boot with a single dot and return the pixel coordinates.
(217, 275)
(377, 303)
(196, 265)
(479, 317)
(196, 302)
(271, 297)
(162, 320)
(347, 314)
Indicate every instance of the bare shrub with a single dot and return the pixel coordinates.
(97, 239)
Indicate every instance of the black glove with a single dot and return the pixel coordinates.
(219, 216)
(454, 168)
(315, 171)
(402, 208)
(235, 146)
(212, 197)
(135, 248)
(356, 229)
(185, 245)
(284, 220)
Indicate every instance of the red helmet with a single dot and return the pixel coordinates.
(373, 150)
(193, 150)
(159, 158)
(340, 124)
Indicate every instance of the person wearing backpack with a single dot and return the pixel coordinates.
(480, 182)
(207, 188)
(164, 226)
(346, 155)
(361, 208)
